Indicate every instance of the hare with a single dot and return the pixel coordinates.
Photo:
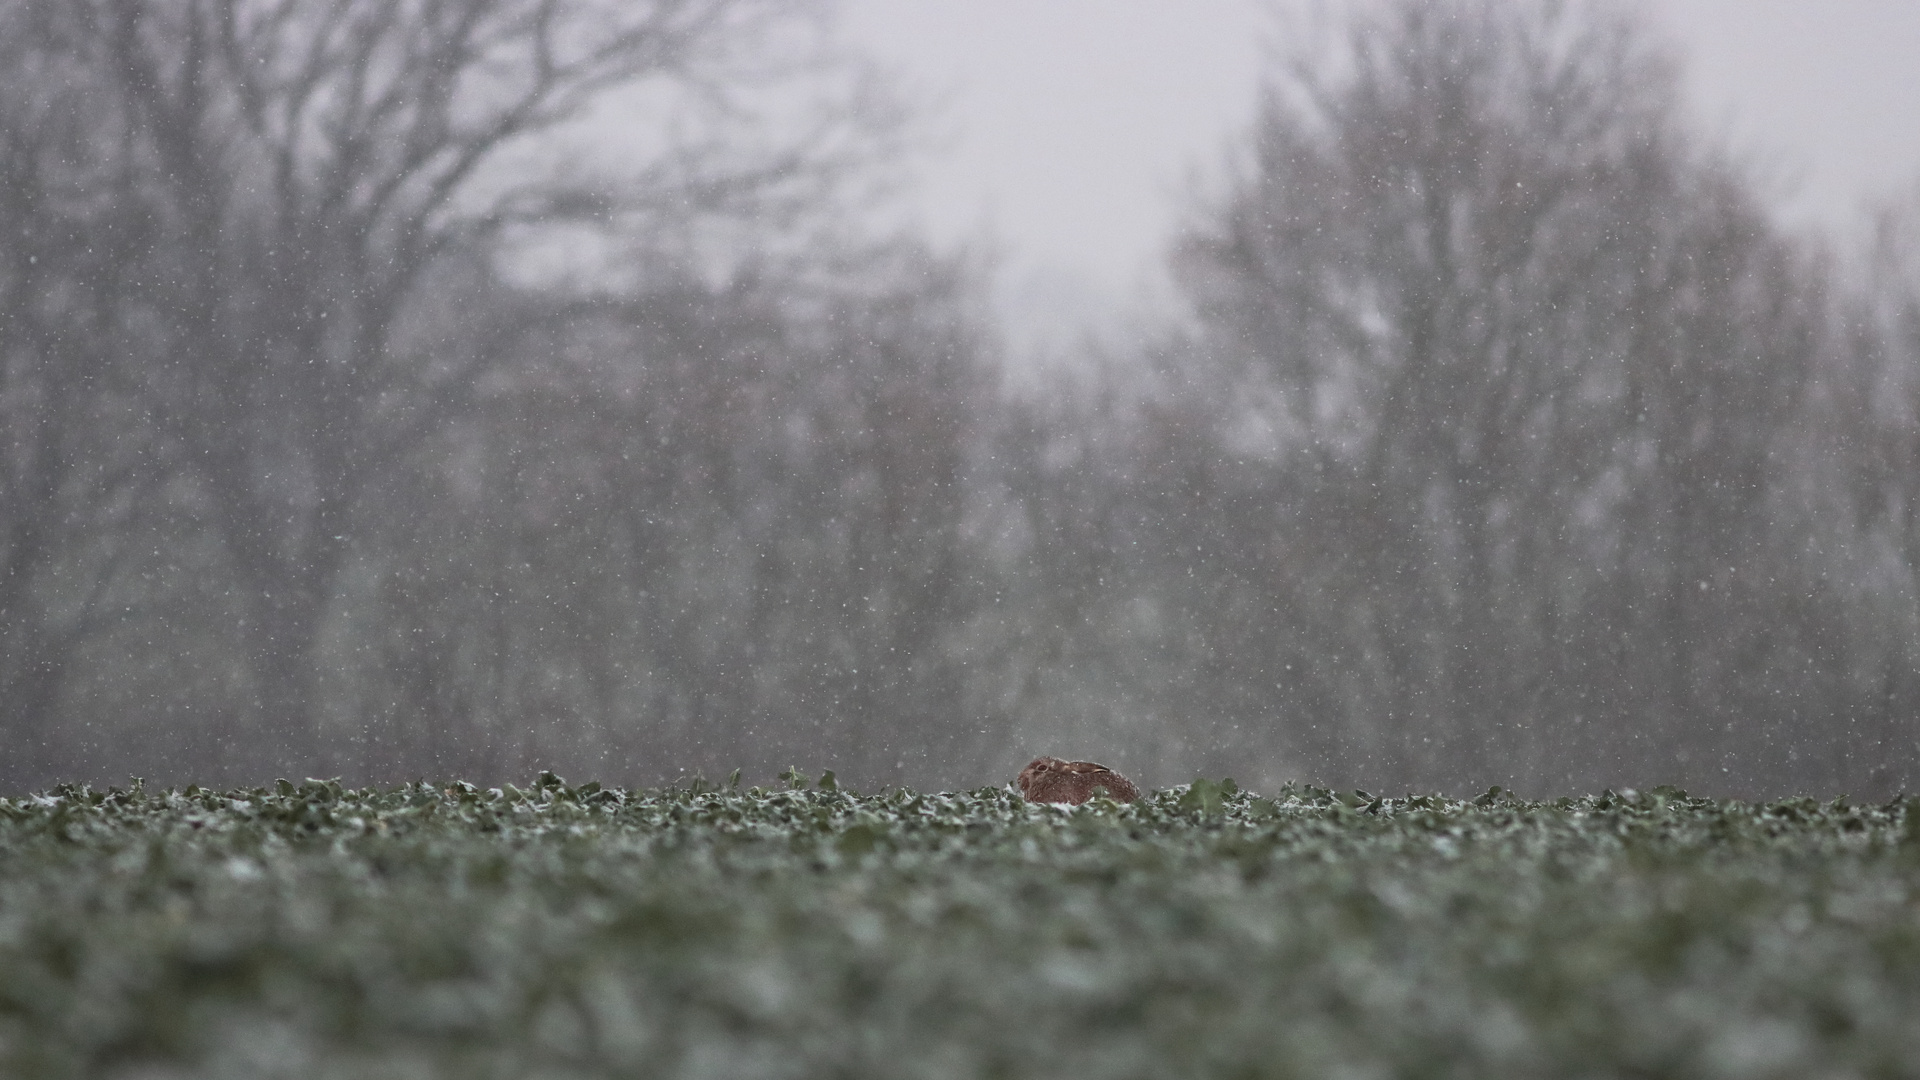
(1050, 780)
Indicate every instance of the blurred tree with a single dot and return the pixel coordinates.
(1518, 353)
(295, 168)
(1870, 428)
(76, 464)
(712, 524)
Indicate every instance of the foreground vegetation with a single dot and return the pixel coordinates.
(561, 931)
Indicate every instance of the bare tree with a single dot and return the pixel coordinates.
(77, 468)
(301, 164)
(1870, 416)
(1503, 331)
(702, 526)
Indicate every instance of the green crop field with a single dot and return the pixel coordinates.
(562, 931)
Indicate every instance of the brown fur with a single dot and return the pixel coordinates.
(1050, 780)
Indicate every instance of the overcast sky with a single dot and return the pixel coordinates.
(1070, 130)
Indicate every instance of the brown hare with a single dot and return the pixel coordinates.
(1050, 780)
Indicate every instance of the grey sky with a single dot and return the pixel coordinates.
(1073, 127)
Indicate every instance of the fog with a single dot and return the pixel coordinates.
(463, 388)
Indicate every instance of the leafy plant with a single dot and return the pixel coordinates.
(306, 929)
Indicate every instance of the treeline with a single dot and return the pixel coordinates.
(1508, 439)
